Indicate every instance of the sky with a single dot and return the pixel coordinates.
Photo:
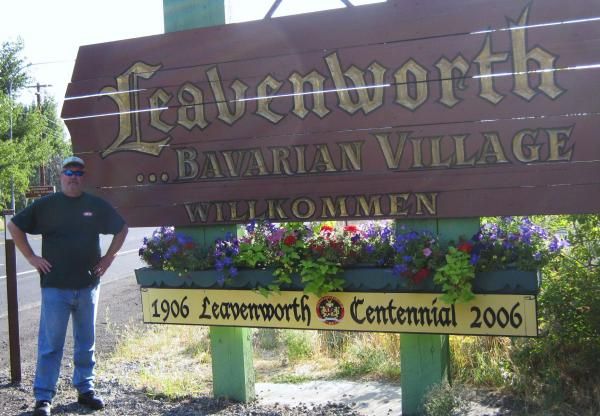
(53, 30)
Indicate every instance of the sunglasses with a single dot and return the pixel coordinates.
(70, 172)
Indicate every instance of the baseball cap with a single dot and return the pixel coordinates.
(73, 160)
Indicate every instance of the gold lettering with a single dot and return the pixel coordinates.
(351, 155)
(191, 112)
(522, 57)
(128, 104)
(392, 157)
(447, 70)
(280, 160)
(309, 210)
(211, 168)
(557, 140)
(363, 102)
(370, 208)
(529, 152)
(323, 161)
(275, 209)
(436, 153)
(187, 167)
(266, 87)
(398, 204)
(427, 201)
(334, 210)
(404, 85)
(238, 87)
(234, 213)
(316, 80)
(252, 210)
(491, 149)
(158, 100)
(233, 160)
(197, 212)
(460, 151)
(417, 152)
(256, 164)
(300, 157)
(219, 207)
(486, 60)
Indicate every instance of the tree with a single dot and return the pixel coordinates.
(37, 134)
(12, 67)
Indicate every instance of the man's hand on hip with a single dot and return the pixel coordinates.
(40, 263)
(103, 265)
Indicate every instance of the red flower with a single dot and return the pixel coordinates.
(421, 275)
(465, 247)
(290, 240)
(326, 228)
(352, 229)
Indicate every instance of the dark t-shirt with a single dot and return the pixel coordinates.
(70, 229)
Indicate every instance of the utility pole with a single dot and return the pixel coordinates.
(38, 95)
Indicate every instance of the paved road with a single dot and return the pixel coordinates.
(28, 279)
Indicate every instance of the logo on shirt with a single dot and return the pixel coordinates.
(88, 214)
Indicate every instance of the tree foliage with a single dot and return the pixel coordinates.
(37, 134)
(12, 67)
(562, 366)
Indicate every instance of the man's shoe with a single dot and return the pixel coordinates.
(42, 408)
(91, 400)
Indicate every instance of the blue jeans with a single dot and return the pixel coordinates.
(57, 306)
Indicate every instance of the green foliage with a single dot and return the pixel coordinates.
(480, 361)
(371, 355)
(298, 345)
(12, 67)
(37, 134)
(267, 339)
(455, 277)
(446, 400)
(321, 276)
(563, 365)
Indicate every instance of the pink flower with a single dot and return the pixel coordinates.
(427, 252)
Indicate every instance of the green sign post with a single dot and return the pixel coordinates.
(231, 348)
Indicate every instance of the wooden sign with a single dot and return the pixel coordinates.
(394, 110)
(501, 315)
(38, 191)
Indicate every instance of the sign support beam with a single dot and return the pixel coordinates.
(231, 348)
(425, 359)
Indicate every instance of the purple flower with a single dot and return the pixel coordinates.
(427, 252)
(399, 269)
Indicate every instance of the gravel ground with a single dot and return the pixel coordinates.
(121, 400)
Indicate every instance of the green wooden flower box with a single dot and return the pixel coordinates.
(357, 279)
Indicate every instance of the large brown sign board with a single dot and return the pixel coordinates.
(395, 110)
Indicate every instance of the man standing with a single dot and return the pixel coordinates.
(70, 268)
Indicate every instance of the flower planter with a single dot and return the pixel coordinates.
(357, 279)
(204, 279)
(508, 281)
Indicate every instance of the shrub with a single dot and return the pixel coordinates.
(298, 344)
(563, 365)
(446, 400)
